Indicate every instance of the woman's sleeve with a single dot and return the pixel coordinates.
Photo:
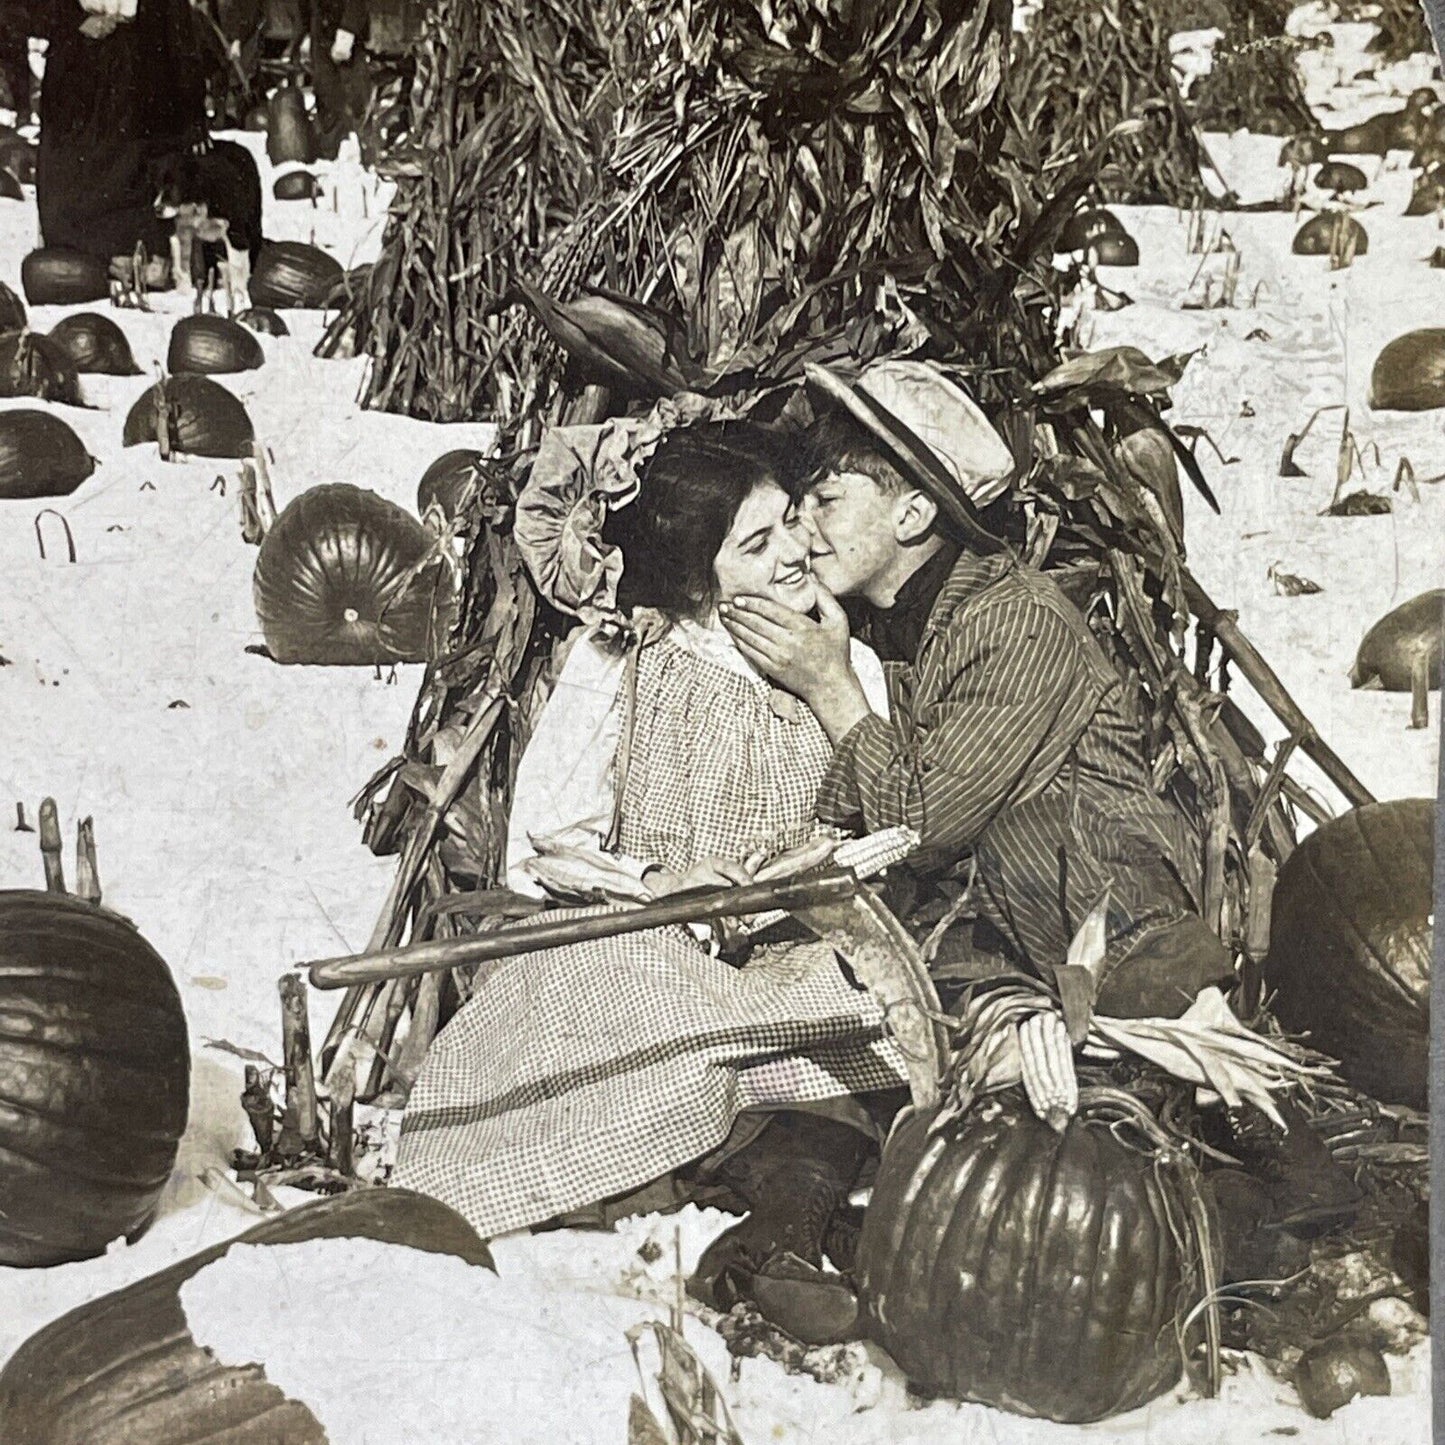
(564, 781)
(869, 671)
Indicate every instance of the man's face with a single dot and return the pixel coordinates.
(853, 525)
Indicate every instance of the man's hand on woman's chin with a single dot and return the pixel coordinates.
(810, 659)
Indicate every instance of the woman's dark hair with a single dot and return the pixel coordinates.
(691, 491)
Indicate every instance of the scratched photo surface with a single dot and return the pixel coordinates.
(721, 719)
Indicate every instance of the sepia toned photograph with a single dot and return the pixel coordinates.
(721, 720)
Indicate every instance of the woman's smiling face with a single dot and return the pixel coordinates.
(765, 553)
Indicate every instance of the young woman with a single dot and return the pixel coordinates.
(578, 1074)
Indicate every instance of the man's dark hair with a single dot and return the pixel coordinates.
(691, 491)
(837, 442)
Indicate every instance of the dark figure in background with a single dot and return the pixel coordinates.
(15, 61)
(110, 106)
(339, 70)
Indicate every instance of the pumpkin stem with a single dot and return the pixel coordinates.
(87, 875)
(50, 847)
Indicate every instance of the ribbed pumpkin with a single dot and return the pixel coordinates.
(40, 456)
(212, 346)
(94, 1078)
(203, 419)
(1317, 236)
(296, 186)
(1039, 1272)
(1409, 372)
(293, 274)
(12, 310)
(449, 481)
(288, 128)
(34, 365)
(125, 1369)
(333, 583)
(1350, 944)
(1403, 636)
(1084, 228)
(54, 276)
(94, 343)
(264, 320)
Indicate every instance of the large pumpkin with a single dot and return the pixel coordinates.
(54, 276)
(1322, 234)
(40, 455)
(1086, 228)
(1409, 372)
(1350, 942)
(212, 345)
(34, 365)
(1116, 249)
(450, 481)
(1039, 1272)
(94, 1078)
(125, 1370)
(94, 343)
(12, 310)
(203, 419)
(1404, 637)
(292, 274)
(334, 581)
(296, 186)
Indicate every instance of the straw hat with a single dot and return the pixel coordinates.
(931, 429)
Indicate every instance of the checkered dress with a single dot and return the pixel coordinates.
(575, 1074)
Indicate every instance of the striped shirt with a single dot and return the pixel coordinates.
(1011, 738)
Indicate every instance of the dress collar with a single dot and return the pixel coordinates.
(712, 642)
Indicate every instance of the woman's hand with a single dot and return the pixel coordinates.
(706, 873)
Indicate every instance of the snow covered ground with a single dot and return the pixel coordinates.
(220, 782)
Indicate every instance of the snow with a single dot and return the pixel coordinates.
(539, 1351)
(220, 786)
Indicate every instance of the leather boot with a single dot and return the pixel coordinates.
(794, 1178)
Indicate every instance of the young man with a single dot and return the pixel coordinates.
(1011, 740)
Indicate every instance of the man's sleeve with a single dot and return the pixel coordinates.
(1000, 720)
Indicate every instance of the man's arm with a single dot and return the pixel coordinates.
(998, 713)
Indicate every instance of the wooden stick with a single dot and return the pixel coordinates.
(1225, 627)
(265, 502)
(256, 1102)
(50, 847)
(336, 1051)
(694, 906)
(343, 1125)
(252, 532)
(1273, 780)
(301, 1128)
(425, 1016)
(1420, 692)
(87, 875)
